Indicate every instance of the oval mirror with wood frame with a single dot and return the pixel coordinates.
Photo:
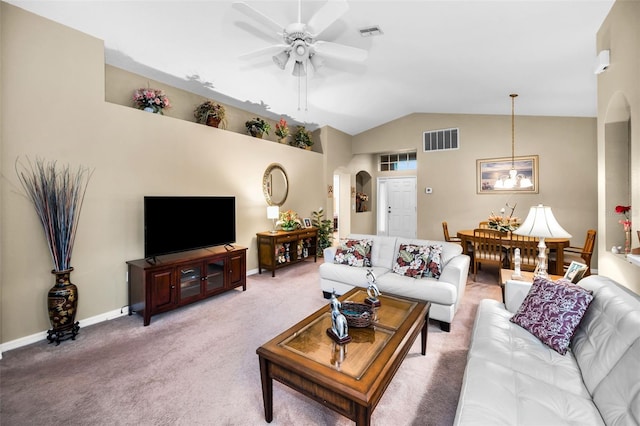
(275, 185)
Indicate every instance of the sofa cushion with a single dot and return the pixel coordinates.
(354, 252)
(382, 249)
(449, 250)
(551, 311)
(607, 349)
(495, 338)
(417, 261)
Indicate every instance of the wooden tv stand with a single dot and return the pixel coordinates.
(176, 280)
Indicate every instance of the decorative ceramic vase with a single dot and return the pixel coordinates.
(213, 121)
(282, 140)
(256, 134)
(63, 303)
(149, 109)
(288, 228)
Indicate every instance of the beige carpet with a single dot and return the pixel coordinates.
(198, 365)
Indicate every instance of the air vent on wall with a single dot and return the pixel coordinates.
(440, 140)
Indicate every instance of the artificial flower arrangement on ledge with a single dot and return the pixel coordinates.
(282, 130)
(211, 113)
(302, 138)
(503, 223)
(289, 220)
(151, 100)
(256, 127)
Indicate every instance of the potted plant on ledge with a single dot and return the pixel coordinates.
(302, 138)
(282, 130)
(256, 127)
(211, 113)
(151, 100)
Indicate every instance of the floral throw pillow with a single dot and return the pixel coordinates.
(552, 310)
(419, 261)
(434, 262)
(354, 253)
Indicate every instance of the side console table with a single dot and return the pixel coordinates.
(285, 248)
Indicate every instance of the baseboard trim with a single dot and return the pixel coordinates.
(34, 338)
(27, 340)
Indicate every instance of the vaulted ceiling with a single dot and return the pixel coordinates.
(433, 56)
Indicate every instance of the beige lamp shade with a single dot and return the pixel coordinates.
(273, 212)
(542, 224)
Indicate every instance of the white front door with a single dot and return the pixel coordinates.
(397, 211)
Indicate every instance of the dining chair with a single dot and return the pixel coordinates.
(447, 237)
(528, 252)
(579, 254)
(483, 224)
(488, 248)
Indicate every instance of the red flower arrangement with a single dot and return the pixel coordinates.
(626, 222)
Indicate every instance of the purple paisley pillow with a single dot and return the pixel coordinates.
(551, 311)
(354, 253)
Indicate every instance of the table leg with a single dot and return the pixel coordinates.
(363, 415)
(267, 389)
(423, 334)
(559, 261)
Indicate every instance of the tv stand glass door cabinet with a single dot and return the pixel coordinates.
(285, 248)
(179, 279)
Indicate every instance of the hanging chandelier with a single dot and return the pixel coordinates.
(513, 180)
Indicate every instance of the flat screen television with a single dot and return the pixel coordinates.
(179, 223)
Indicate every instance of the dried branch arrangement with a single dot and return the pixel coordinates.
(57, 194)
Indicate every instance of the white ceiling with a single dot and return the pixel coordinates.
(434, 56)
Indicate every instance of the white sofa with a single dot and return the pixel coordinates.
(511, 378)
(444, 293)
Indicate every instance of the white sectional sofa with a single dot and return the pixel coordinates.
(444, 292)
(511, 378)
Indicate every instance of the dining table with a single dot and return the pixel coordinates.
(556, 245)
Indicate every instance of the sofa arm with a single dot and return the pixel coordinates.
(329, 253)
(456, 272)
(514, 294)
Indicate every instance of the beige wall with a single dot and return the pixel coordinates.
(619, 111)
(52, 105)
(53, 84)
(567, 162)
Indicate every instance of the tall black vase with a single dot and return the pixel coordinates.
(63, 303)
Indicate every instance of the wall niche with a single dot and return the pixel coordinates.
(363, 192)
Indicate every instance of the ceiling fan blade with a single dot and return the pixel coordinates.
(340, 51)
(269, 50)
(258, 16)
(329, 13)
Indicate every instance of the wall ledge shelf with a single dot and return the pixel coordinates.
(634, 259)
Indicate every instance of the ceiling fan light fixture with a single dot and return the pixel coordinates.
(316, 62)
(281, 59)
(298, 69)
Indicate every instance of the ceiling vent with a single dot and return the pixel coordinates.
(440, 140)
(370, 31)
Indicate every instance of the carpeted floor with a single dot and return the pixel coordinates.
(198, 365)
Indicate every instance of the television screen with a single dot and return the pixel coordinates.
(179, 223)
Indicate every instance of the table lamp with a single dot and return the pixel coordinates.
(273, 213)
(541, 223)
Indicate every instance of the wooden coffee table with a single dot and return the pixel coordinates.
(351, 378)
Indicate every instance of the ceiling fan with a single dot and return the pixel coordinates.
(299, 41)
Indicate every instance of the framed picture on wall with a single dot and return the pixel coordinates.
(493, 175)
